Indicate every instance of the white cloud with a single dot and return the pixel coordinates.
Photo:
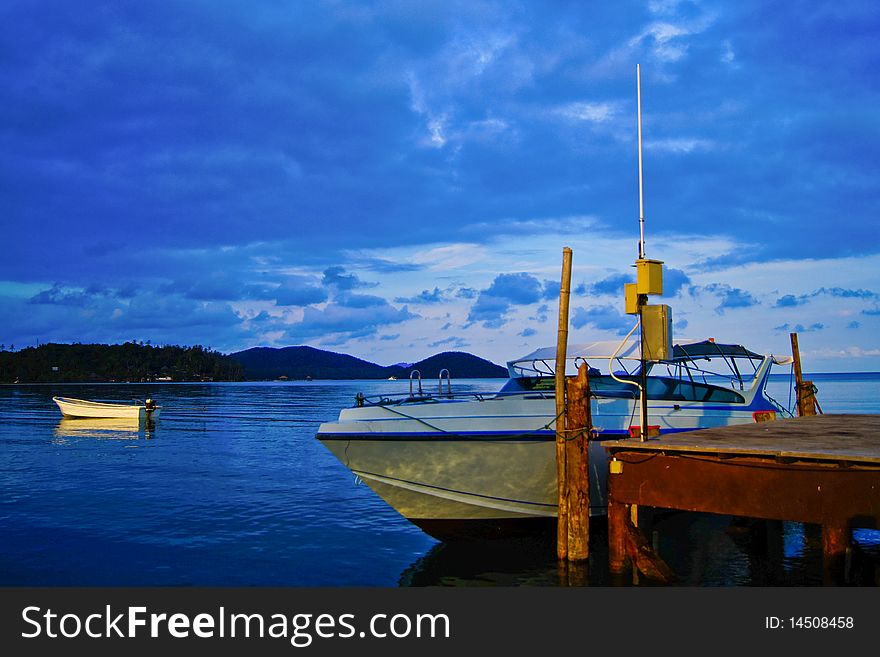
(728, 56)
(588, 111)
(679, 145)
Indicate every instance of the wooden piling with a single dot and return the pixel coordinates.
(578, 423)
(835, 542)
(806, 396)
(618, 513)
(561, 347)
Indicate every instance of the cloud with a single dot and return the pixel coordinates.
(57, 296)
(790, 300)
(528, 332)
(673, 281)
(356, 143)
(542, 313)
(296, 292)
(679, 145)
(800, 328)
(604, 318)
(60, 315)
(730, 297)
(337, 278)
(425, 296)
(455, 342)
(551, 290)
(505, 291)
(520, 289)
(610, 285)
(360, 316)
(590, 112)
(490, 310)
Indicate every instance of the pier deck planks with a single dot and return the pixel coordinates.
(854, 438)
(819, 469)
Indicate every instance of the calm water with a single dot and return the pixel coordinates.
(230, 488)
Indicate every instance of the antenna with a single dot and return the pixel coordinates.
(641, 194)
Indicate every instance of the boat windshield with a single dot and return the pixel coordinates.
(659, 388)
(698, 371)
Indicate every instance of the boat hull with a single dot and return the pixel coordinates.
(80, 408)
(429, 464)
(458, 481)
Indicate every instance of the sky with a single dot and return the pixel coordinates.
(395, 179)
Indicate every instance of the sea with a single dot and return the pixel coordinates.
(229, 487)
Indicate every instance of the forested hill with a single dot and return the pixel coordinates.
(130, 361)
(136, 362)
(308, 362)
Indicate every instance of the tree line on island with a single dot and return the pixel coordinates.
(144, 362)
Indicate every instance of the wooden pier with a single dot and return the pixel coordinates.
(823, 469)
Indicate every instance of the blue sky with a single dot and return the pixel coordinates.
(394, 179)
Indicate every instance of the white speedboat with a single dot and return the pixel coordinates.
(485, 464)
(83, 408)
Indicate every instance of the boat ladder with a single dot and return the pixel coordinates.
(418, 379)
(448, 383)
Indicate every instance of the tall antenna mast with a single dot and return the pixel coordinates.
(641, 194)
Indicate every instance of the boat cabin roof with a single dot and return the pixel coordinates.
(682, 350)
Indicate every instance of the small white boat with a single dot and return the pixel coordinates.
(84, 408)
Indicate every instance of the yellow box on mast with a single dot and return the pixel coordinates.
(649, 276)
(657, 332)
(631, 297)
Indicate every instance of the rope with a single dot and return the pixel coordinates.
(811, 392)
(546, 427)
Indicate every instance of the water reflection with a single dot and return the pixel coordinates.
(105, 428)
(702, 550)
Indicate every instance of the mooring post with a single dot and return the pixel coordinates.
(806, 397)
(561, 347)
(578, 425)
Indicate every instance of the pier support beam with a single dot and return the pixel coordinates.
(618, 516)
(835, 542)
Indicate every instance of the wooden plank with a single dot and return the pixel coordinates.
(849, 438)
(754, 487)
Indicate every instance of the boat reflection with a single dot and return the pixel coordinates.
(105, 428)
(525, 561)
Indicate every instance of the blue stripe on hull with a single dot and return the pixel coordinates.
(476, 436)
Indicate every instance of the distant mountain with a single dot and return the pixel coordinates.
(301, 362)
(460, 364)
(304, 362)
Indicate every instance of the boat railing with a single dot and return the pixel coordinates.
(419, 380)
(386, 400)
(448, 383)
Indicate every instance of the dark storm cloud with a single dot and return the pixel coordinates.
(156, 144)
